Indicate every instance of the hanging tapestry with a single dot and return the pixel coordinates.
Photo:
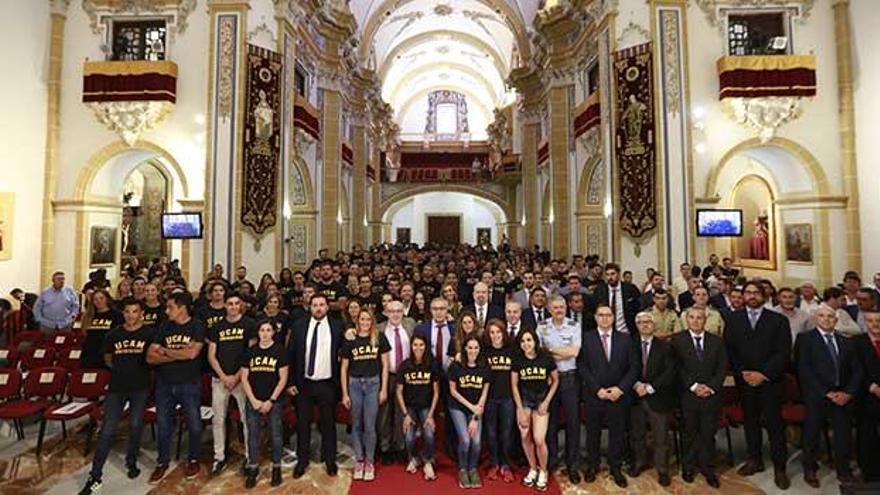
(262, 140)
(634, 140)
(441, 97)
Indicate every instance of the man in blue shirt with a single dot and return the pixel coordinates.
(57, 307)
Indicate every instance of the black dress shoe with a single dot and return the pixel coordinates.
(574, 477)
(749, 468)
(590, 474)
(619, 478)
(664, 480)
(276, 476)
(633, 471)
(712, 480)
(687, 476)
(332, 469)
(300, 469)
(781, 480)
(811, 479)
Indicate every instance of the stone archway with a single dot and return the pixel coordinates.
(592, 223)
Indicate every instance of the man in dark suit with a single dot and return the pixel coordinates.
(686, 299)
(623, 298)
(867, 350)
(654, 399)
(758, 343)
(313, 352)
(609, 367)
(513, 316)
(577, 312)
(536, 312)
(701, 360)
(830, 378)
(482, 307)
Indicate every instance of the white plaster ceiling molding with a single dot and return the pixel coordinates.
(765, 115)
(176, 11)
(713, 8)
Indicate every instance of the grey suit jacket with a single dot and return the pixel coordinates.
(407, 323)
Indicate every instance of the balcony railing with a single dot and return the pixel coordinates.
(756, 76)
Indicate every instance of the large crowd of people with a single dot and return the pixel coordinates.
(502, 347)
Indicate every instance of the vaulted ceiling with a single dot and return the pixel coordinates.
(470, 46)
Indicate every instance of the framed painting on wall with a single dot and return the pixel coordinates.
(799, 243)
(7, 214)
(403, 235)
(757, 246)
(484, 237)
(102, 247)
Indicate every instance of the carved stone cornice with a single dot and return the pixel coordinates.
(178, 10)
(530, 84)
(711, 7)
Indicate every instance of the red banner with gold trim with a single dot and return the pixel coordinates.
(756, 76)
(138, 80)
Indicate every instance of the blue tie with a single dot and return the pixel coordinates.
(829, 341)
(699, 347)
(313, 350)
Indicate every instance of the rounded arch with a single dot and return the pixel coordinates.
(592, 167)
(420, 69)
(99, 160)
(420, 38)
(300, 174)
(400, 196)
(507, 12)
(809, 162)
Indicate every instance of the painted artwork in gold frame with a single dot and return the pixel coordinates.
(7, 215)
(756, 248)
(799, 243)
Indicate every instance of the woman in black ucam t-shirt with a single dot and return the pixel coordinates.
(154, 310)
(417, 393)
(499, 407)
(101, 318)
(263, 377)
(273, 310)
(364, 374)
(534, 381)
(469, 389)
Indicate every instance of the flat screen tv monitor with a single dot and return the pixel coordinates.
(181, 225)
(719, 223)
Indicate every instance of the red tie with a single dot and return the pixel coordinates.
(877, 348)
(438, 346)
(398, 349)
(605, 346)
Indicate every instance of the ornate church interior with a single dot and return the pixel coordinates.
(183, 141)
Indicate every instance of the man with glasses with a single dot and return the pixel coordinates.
(758, 342)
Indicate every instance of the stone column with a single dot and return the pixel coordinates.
(376, 192)
(531, 132)
(560, 176)
(843, 40)
(227, 34)
(58, 14)
(359, 152)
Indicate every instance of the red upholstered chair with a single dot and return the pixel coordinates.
(30, 337)
(10, 390)
(732, 414)
(69, 358)
(43, 389)
(8, 357)
(61, 340)
(86, 389)
(793, 410)
(37, 357)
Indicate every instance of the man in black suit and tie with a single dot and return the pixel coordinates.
(482, 307)
(314, 350)
(577, 312)
(622, 297)
(758, 343)
(513, 317)
(702, 363)
(655, 398)
(609, 367)
(536, 312)
(867, 349)
(830, 378)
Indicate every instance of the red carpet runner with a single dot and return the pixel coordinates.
(395, 480)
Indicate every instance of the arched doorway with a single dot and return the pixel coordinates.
(145, 195)
(445, 217)
(787, 210)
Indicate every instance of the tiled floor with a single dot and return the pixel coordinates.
(63, 468)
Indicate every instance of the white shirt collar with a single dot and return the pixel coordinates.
(702, 335)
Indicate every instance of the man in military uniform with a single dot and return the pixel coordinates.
(561, 337)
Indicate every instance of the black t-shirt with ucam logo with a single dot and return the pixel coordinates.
(364, 357)
(232, 340)
(173, 335)
(128, 350)
(264, 368)
(469, 381)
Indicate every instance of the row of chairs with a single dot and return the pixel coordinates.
(31, 358)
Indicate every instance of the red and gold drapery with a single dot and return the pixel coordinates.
(139, 80)
(543, 152)
(755, 76)
(587, 115)
(305, 117)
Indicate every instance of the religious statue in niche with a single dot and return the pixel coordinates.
(263, 115)
(634, 117)
(759, 245)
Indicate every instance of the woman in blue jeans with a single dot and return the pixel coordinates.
(364, 374)
(417, 393)
(263, 377)
(499, 406)
(469, 389)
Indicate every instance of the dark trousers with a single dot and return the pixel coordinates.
(189, 396)
(323, 395)
(869, 440)
(254, 422)
(114, 406)
(390, 426)
(641, 415)
(499, 420)
(764, 401)
(567, 402)
(615, 415)
(818, 412)
(700, 423)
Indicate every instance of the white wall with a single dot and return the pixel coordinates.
(24, 65)
(865, 16)
(475, 213)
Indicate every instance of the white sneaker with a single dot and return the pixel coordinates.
(530, 478)
(429, 472)
(358, 470)
(413, 466)
(541, 484)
